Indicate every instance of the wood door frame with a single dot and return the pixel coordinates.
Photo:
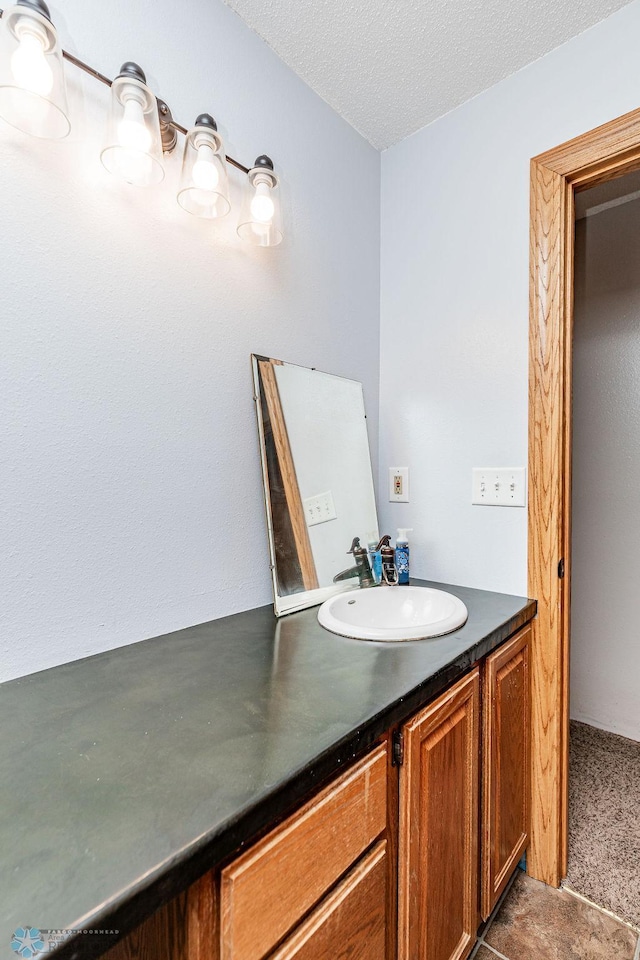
(601, 154)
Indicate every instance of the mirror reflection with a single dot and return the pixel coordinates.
(317, 476)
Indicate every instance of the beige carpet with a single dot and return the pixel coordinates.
(604, 820)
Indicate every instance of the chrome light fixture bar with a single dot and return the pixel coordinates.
(141, 127)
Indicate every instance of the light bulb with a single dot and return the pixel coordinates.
(132, 132)
(262, 205)
(29, 64)
(205, 172)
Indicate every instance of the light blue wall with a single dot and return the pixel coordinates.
(454, 296)
(131, 499)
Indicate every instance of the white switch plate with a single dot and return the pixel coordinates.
(320, 508)
(499, 486)
(399, 484)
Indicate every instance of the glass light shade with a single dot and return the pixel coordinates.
(133, 149)
(204, 186)
(33, 96)
(260, 220)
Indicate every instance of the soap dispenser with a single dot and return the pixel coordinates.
(402, 554)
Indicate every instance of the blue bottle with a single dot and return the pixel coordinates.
(402, 555)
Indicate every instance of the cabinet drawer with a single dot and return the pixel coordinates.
(267, 890)
(350, 924)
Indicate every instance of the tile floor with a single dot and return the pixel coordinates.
(536, 922)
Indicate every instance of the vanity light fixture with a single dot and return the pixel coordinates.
(260, 218)
(33, 96)
(204, 186)
(140, 127)
(134, 146)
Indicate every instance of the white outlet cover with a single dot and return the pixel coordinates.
(399, 484)
(499, 486)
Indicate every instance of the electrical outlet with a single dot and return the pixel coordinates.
(320, 508)
(499, 486)
(399, 484)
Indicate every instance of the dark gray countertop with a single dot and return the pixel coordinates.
(125, 776)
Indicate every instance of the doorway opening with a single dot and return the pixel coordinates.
(604, 755)
(603, 154)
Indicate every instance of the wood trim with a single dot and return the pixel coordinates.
(289, 478)
(565, 643)
(392, 836)
(602, 154)
(547, 401)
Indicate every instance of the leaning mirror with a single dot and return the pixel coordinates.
(318, 482)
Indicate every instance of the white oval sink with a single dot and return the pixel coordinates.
(393, 613)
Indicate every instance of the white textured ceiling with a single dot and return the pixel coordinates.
(391, 66)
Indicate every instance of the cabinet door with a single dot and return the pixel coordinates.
(438, 845)
(506, 739)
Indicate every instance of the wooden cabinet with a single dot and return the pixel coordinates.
(185, 929)
(438, 844)
(441, 832)
(506, 778)
(384, 861)
(267, 891)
